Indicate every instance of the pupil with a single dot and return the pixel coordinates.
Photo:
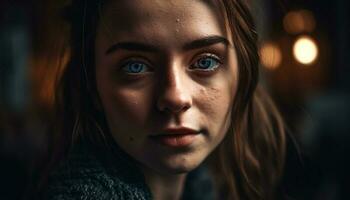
(136, 67)
(205, 63)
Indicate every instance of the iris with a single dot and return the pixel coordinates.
(135, 67)
(206, 63)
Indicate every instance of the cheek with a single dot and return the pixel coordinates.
(124, 108)
(216, 104)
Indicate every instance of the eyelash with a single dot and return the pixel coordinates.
(214, 57)
(208, 56)
(135, 61)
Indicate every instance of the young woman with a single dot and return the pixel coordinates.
(160, 100)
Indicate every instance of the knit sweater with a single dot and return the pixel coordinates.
(91, 173)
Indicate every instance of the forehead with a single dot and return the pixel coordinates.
(162, 19)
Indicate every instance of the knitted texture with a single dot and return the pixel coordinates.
(101, 175)
(86, 175)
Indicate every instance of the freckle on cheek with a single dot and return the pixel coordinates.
(214, 94)
(209, 98)
(131, 139)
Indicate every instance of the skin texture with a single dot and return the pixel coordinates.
(171, 91)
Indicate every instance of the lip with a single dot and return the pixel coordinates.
(176, 137)
(177, 131)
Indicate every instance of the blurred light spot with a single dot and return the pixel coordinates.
(300, 21)
(305, 50)
(271, 56)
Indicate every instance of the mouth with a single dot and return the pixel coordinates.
(176, 137)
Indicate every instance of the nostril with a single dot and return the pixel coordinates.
(174, 104)
(172, 107)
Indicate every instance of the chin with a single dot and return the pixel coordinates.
(180, 170)
(178, 167)
(175, 170)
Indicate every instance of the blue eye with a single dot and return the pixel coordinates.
(135, 67)
(207, 63)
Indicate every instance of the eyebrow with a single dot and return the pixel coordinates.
(196, 44)
(207, 41)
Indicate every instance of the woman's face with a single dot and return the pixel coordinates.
(166, 74)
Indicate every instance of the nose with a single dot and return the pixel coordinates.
(174, 94)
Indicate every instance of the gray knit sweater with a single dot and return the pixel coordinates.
(98, 174)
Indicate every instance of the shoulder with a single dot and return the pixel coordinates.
(83, 176)
(78, 177)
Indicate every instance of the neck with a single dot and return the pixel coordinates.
(169, 187)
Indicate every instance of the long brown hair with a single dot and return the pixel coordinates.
(247, 164)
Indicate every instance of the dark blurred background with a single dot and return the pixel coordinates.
(305, 64)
